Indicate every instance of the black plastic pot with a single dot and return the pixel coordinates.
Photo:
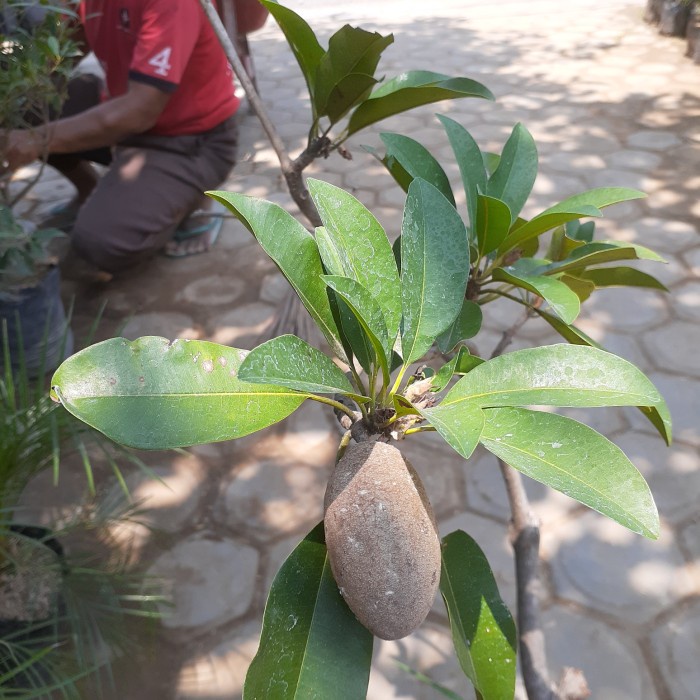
(30, 634)
(36, 323)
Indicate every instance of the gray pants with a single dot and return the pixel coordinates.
(152, 184)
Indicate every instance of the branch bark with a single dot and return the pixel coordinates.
(525, 539)
(291, 169)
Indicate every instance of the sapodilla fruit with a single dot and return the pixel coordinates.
(382, 539)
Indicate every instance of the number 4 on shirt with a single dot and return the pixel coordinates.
(161, 62)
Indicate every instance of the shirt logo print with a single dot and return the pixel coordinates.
(161, 62)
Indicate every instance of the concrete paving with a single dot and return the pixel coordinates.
(609, 102)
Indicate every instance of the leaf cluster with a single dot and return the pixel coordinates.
(342, 78)
(504, 248)
(37, 54)
(24, 253)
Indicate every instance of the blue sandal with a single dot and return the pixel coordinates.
(210, 230)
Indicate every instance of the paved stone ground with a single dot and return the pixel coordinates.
(609, 103)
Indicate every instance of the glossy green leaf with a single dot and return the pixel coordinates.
(598, 253)
(515, 175)
(483, 630)
(658, 416)
(558, 375)
(574, 459)
(417, 161)
(470, 160)
(358, 239)
(434, 268)
(294, 251)
(368, 313)
(621, 277)
(465, 326)
(584, 204)
(562, 300)
(301, 39)
(560, 245)
(345, 73)
(311, 645)
(290, 361)
(493, 220)
(459, 423)
(401, 177)
(354, 339)
(491, 162)
(409, 90)
(582, 288)
(580, 232)
(347, 93)
(461, 363)
(570, 333)
(154, 394)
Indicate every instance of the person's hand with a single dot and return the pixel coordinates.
(22, 148)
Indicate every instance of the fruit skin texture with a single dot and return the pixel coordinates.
(382, 539)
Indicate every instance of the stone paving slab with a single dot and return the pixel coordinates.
(609, 101)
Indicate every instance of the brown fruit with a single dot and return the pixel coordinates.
(382, 539)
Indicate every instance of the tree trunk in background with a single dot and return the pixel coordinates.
(693, 35)
(674, 18)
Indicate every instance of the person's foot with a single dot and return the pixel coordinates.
(197, 234)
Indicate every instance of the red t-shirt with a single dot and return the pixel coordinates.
(168, 44)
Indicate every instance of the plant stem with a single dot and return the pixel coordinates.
(336, 404)
(290, 169)
(419, 429)
(525, 539)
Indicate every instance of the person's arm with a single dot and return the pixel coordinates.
(105, 125)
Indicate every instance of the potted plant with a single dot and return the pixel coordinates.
(36, 56)
(62, 610)
(30, 295)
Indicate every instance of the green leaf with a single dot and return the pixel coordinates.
(155, 395)
(460, 424)
(558, 375)
(470, 160)
(368, 313)
(345, 73)
(417, 161)
(349, 91)
(581, 287)
(354, 339)
(294, 251)
(584, 204)
(515, 175)
(482, 627)
(290, 361)
(580, 232)
(301, 39)
(461, 363)
(434, 268)
(598, 253)
(493, 220)
(361, 249)
(311, 644)
(409, 90)
(563, 301)
(621, 277)
(570, 333)
(574, 459)
(465, 326)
